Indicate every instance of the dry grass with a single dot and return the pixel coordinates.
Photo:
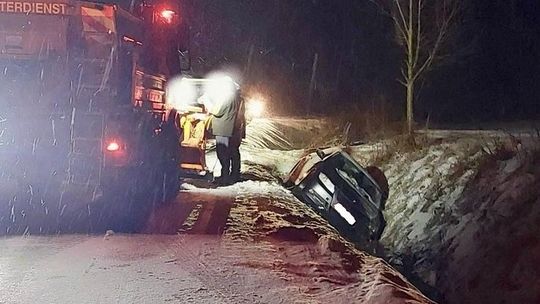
(399, 145)
(501, 149)
(360, 124)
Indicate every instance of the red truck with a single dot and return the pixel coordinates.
(86, 142)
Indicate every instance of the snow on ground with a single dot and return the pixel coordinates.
(462, 216)
(186, 269)
(463, 213)
(421, 188)
(288, 239)
(496, 239)
(265, 215)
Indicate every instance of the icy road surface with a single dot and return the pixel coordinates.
(247, 243)
(134, 269)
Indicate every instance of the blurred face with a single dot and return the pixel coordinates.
(214, 91)
(220, 89)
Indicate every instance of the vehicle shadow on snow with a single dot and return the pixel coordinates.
(191, 212)
(201, 207)
(196, 212)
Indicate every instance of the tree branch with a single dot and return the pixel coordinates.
(405, 29)
(447, 19)
(418, 31)
(402, 31)
(403, 74)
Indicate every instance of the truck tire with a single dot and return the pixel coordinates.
(170, 146)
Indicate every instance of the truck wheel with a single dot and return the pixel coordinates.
(170, 145)
(169, 183)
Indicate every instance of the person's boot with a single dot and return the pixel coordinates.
(235, 178)
(221, 180)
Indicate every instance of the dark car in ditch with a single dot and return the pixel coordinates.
(349, 196)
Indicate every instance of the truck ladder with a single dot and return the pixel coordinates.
(91, 94)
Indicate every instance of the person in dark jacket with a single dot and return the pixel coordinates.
(229, 127)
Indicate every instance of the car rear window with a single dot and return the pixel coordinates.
(349, 171)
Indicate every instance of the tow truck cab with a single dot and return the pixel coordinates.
(81, 112)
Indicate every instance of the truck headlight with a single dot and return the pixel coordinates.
(254, 108)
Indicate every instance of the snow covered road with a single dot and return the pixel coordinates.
(132, 269)
(246, 243)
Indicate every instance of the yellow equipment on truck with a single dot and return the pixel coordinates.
(188, 97)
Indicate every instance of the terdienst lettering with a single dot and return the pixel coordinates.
(43, 8)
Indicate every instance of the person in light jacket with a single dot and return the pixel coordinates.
(229, 128)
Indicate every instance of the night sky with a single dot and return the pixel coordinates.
(490, 71)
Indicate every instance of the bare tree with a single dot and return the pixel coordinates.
(422, 28)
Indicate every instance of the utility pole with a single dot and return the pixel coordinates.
(313, 82)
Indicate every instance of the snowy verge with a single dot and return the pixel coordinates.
(462, 216)
(312, 255)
